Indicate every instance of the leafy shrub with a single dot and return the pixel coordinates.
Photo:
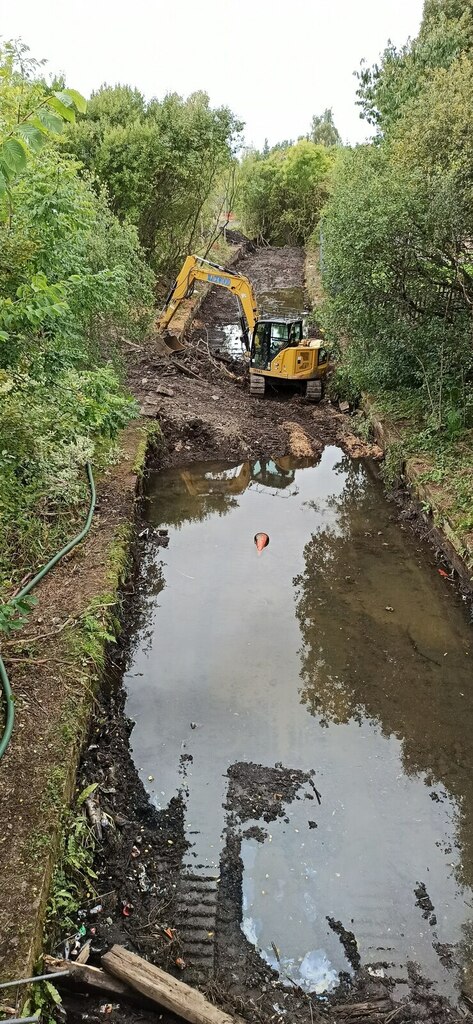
(73, 282)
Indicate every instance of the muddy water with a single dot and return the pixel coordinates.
(225, 334)
(338, 652)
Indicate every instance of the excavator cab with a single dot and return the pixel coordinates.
(279, 352)
(270, 337)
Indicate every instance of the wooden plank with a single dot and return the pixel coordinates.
(87, 976)
(163, 989)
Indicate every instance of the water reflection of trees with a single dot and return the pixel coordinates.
(177, 508)
(359, 658)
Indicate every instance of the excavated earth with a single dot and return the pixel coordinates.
(200, 398)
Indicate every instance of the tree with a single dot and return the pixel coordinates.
(399, 223)
(30, 114)
(323, 130)
(446, 31)
(73, 281)
(161, 162)
(280, 196)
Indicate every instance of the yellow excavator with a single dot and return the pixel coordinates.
(277, 474)
(277, 349)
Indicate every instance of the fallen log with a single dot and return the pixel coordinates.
(88, 977)
(185, 369)
(374, 1007)
(163, 989)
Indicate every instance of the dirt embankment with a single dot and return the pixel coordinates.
(54, 666)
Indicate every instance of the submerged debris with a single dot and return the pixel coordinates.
(348, 941)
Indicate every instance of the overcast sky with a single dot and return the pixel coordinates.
(274, 62)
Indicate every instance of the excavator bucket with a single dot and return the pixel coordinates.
(173, 344)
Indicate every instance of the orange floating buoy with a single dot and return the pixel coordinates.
(261, 541)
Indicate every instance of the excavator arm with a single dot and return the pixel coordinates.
(197, 269)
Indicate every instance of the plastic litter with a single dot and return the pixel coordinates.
(144, 882)
(127, 908)
(75, 948)
(261, 540)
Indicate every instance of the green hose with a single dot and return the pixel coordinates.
(4, 680)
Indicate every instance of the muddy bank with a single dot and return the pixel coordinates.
(419, 491)
(54, 667)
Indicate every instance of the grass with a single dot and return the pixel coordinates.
(151, 443)
(73, 877)
(441, 463)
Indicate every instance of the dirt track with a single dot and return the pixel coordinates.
(205, 411)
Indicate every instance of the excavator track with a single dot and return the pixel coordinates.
(196, 920)
(257, 385)
(314, 390)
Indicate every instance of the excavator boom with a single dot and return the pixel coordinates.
(197, 269)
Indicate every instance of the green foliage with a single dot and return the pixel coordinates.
(29, 113)
(74, 876)
(446, 31)
(323, 130)
(95, 632)
(73, 282)
(14, 615)
(342, 385)
(281, 194)
(161, 163)
(42, 1002)
(397, 229)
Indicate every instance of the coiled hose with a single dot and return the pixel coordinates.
(4, 680)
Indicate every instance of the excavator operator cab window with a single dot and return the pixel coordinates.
(322, 356)
(261, 346)
(279, 339)
(270, 338)
(295, 333)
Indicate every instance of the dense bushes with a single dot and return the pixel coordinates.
(281, 193)
(92, 204)
(397, 229)
(162, 163)
(72, 281)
